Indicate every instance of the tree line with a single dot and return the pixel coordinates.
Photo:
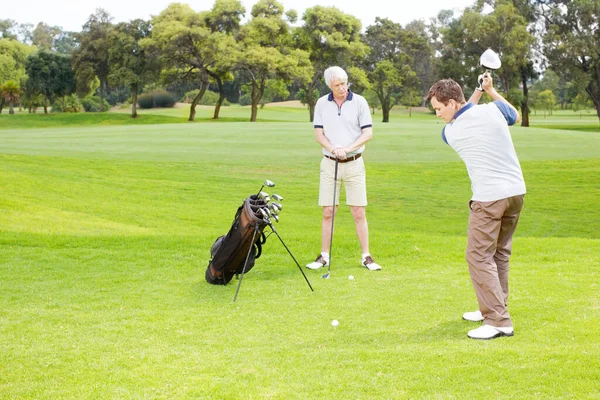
(549, 49)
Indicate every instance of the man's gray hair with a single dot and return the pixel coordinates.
(332, 73)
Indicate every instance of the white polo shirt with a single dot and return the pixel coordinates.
(480, 136)
(344, 124)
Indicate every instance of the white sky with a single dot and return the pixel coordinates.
(72, 14)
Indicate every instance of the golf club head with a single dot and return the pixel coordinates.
(276, 205)
(326, 276)
(277, 197)
(264, 214)
(269, 183)
(490, 60)
(275, 217)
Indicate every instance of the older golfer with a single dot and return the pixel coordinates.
(480, 136)
(343, 125)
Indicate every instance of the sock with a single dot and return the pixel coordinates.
(325, 256)
(365, 255)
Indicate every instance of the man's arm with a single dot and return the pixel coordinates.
(323, 141)
(494, 95)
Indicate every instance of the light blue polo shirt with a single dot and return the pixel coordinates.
(344, 124)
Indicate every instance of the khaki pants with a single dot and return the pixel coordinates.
(491, 228)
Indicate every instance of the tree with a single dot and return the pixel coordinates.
(572, 42)
(44, 36)
(387, 65)
(91, 58)
(330, 37)
(546, 100)
(189, 50)
(12, 59)
(130, 63)
(265, 52)
(11, 92)
(49, 75)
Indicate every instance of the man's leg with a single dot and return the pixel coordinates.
(326, 228)
(484, 229)
(362, 228)
(504, 247)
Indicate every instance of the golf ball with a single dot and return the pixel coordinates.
(335, 322)
(351, 277)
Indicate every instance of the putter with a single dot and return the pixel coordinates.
(328, 274)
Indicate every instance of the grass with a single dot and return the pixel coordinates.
(105, 235)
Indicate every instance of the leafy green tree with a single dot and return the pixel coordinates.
(10, 93)
(265, 52)
(225, 17)
(572, 41)
(44, 36)
(66, 43)
(419, 47)
(546, 100)
(12, 59)
(91, 58)
(189, 49)
(130, 63)
(331, 37)
(387, 65)
(49, 75)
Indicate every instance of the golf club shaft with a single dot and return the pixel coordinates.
(332, 215)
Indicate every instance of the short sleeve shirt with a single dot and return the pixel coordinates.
(344, 124)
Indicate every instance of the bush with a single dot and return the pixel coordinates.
(70, 104)
(145, 100)
(161, 98)
(158, 98)
(92, 104)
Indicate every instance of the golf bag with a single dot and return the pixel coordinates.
(243, 242)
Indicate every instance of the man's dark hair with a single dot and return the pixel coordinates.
(446, 90)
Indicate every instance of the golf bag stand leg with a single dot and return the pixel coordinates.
(291, 255)
(246, 262)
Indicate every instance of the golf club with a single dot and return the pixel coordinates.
(265, 183)
(277, 197)
(328, 274)
(490, 61)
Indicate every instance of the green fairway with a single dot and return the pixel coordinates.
(105, 234)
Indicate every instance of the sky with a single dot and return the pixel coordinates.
(70, 15)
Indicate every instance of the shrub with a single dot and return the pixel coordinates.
(92, 104)
(145, 100)
(70, 104)
(158, 98)
(161, 98)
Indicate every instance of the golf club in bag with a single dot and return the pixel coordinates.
(236, 252)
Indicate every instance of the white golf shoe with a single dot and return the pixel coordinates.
(474, 316)
(369, 263)
(485, 332)
(318, 263)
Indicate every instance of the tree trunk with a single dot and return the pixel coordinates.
(11, 110)
(255, 96)
(1, 104)
(310, 100)
(219, 81)
(46, 104)
(134, 97)
(595, 96)
(102, 88)
(196, 101)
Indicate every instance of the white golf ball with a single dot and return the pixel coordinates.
(335, 322)
(351, 277)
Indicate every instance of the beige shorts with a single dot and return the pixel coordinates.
(352, 174)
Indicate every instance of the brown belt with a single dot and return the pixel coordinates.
(354, 157)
